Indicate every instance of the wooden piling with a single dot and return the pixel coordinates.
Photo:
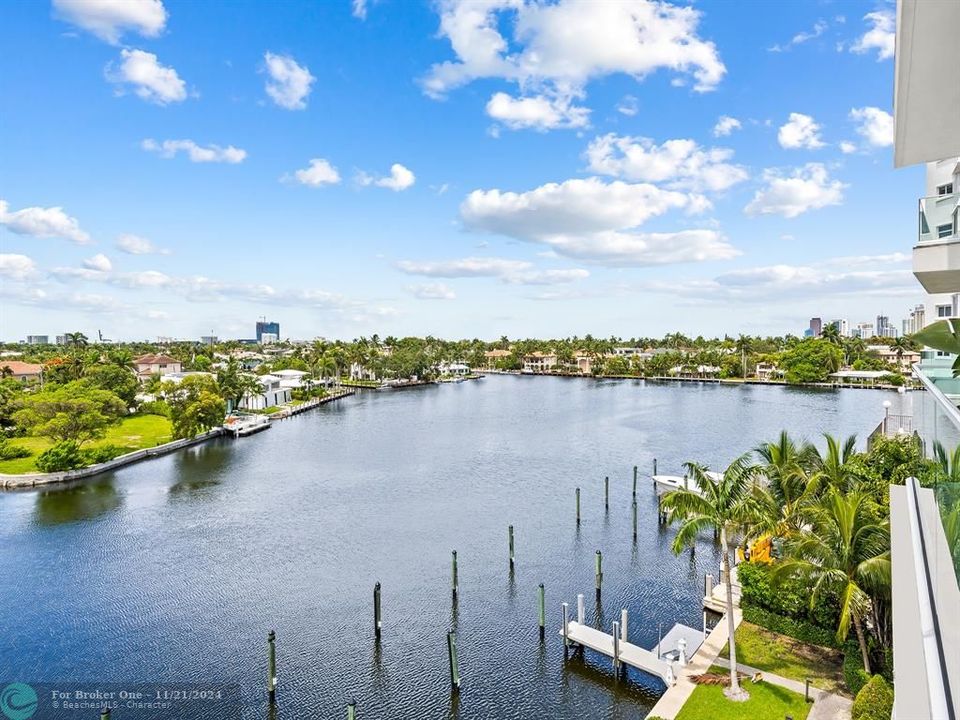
(599, 572)
(452, 655)
(105, 714)
(510, 534)
(634, 483)
(623, 625)
(542, 610)
(351, 710)
(634, 520)
(271, 667)
(377, 623)
(616, 648)
(453, 570)
(580, 609)
(606, 493)
(654, 466)
(578, 506)
(566, 640)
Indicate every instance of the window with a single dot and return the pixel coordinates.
(945, 231)
(944, 310)
(946, 189)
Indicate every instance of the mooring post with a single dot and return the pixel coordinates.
(654, 466)
(510, 533)
(542, 610)
(616, 648)
(351, 710)
(606, 493)
(452, 653)
(704, 624)
(599, 571)
(623, 625)
(271, 667)
(578, 506)
(659, 638)
(566, 641)
(634, 482)
(377, 624)
(453, 561)
(580, 612)
(105, 714)
(634, 520)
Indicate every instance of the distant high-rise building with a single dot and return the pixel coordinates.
(916, 320)
(882, 323)
(208, 339)
(61, 340)
(842, 326)
(864, 330)
(268, 328)
(816, 327)
(38, 339)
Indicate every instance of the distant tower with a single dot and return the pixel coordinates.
(265, 327)
(816, 327)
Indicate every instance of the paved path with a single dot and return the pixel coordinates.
(826, 706)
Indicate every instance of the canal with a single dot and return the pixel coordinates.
(174, 570)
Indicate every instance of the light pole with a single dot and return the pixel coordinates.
(886, 415)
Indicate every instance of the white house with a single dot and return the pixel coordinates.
(272, 393)
(161, 364)
(538, 362)
(292, 378)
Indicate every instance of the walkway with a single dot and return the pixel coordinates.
(825, 705)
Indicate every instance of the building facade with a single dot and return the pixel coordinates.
(269, 328)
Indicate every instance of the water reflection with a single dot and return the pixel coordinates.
(83, 501)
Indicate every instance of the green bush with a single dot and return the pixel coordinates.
(155, 407)
(9, 451)
(787, 597)
(853, 673)
(874, 701)
(65, 455)
(103, 454)
(797, 629)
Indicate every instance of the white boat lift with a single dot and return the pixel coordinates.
(679, 644)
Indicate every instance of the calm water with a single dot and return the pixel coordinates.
(175, 569)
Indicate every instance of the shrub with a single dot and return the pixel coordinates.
(64, 455)
(787, 597)
(8, 451)
(797, 629)
(155, 407)
(874, 701)
(103, 454)
(853, 673)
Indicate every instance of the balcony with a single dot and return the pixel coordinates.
(936, 258)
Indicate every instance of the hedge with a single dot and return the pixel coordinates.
(797, 629)
(874, 701)
(853, 672)
(788, 597)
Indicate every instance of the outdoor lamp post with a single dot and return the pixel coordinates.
(886, 415)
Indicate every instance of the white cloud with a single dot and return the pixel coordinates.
(801, 37)
(400, 178)
(196, 153)
(136, 245)
(110, 19)
(512, 272)
(150, 80)
(593, 221)
(359, 9)
(725, 125)
(320, 172)
(42, 223)
(432, 291)
(16, 267)
(806, 188)
(628, 106)
(539, 112)
(556, 49)
(880, 37)
(800, 131)
(99, 262)
(876, 125)
(289, 83)
(683, 164)
(847, 148)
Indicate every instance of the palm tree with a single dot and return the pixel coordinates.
(855, 348)
(76, 339)
(790, 488)
(847, 551)
(834, 468)
(726, 505)
(831, 333)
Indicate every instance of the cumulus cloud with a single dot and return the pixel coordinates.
(847, 147)
(42, 223)
(110, 19)
(875, 125)
(17, 267)
(725, 125)
(595, 221)
(320, 172)
(806, 188)
(99, 262)
(289, 83)
(400, 178)
(149, 80)
(800, 131)
(136, 245)
(359, 9)
(539, 112)
(682, 164)
(819, 28)
(555, 49)
(432, 291)
(881, 35)
(628, 106)
(513, 272)
(196, 153)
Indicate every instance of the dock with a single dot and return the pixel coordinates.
(663, 660)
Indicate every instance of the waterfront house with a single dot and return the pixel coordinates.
(584, 362)
(177, 377)
(272, 393)
(768, 371)
(889, 353)
(293, 379)
(358, 371)
(457, 369)
(492, 357)
(539, 362)
(22, 371)
(150, 364)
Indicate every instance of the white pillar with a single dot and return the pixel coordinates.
(682, 649)
(623, 625)
(580, 612)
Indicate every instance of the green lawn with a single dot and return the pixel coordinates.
(767, 702)
(782, 655)
(134, 433)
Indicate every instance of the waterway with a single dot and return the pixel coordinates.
(174, 570)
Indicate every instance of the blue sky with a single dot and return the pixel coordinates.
(463, 169)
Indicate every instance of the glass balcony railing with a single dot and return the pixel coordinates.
(938, 219)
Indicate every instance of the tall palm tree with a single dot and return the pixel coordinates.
(785, 498)
(831, 333)
(725, 505)
(833, 468)
(76, 339)
(846, 551)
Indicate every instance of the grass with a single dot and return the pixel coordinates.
(782, 655)
(133, 433)
(767, 702)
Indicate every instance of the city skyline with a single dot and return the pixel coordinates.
(400, 169)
